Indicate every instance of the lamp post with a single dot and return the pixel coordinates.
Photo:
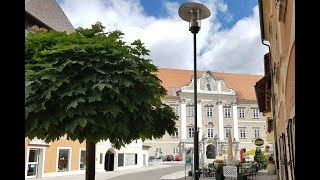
(193, 13)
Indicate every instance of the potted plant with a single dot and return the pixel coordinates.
(219, 172)
(241, 175)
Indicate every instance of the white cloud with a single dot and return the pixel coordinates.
(237, 50)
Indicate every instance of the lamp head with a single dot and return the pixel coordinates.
(193, 13)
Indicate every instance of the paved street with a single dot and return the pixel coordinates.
(150, 175)
(165, 171)
(144, 173)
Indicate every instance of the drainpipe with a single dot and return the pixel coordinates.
(272, 87)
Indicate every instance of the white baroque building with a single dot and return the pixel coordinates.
(225, 102)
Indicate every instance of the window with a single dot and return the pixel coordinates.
(255, 113)
(208, 87)
(256, 132)
(226, 132)
(227, 112)
(175, 150)
(130, 159)
(242, 132)
(210, 132)
(191, 131)
(33, 162)
(101, 158)
(241, 112)
(120, 159)
(190, 110)
(176, 134)
(175, 109)
(83, 159)
(209, 111)
(63, 160)
(159, 149)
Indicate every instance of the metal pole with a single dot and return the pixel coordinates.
(196, 140)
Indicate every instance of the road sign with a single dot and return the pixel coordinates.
(189, 160)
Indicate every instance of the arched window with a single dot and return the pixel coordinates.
(208, 87)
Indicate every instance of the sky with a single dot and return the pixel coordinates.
(229, 40)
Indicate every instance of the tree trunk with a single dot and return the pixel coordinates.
(90, 160)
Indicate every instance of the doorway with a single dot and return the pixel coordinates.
(34, 166)
(109, 161)
(211, 151)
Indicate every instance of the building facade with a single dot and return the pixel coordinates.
(64, 157)
(276, 90)
(225, 102)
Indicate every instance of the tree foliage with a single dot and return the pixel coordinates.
(261, 159)
(92, 85)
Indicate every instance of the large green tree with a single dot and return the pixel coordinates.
(92, 86)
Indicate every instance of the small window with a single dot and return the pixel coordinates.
(210, 132)
(82, 159)
(190, 110)
(241, 112)
(209, 111)
(208, 87)
(227, 112)
(226, 132)
(175, 150)
(63, 160)
(120, 159)
(191, 131)
(176, 134)
(175, 109)
(242, 132)
(256, 132)
(255, 113)
(101, 158)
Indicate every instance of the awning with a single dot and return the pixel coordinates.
(263, 92)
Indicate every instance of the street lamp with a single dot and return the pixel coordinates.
(193, 13)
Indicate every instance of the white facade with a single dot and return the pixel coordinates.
(223, 104)
(133, 155)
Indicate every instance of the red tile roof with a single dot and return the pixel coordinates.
(243, 84)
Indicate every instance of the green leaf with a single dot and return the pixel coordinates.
(127, 83)
(72, 126)
(95, 97)
(82, 122)
(114, 110)
(75, 102)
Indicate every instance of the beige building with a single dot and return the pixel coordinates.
(276, 90)
(225, 102)
(65, 157)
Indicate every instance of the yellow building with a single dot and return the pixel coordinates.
(276, 90)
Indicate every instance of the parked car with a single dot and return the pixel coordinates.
(178, 158)
(169, 158)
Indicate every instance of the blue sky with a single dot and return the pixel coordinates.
(228, 41)
(237, 9)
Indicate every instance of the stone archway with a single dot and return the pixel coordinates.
(211, 151)
(109, 160)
